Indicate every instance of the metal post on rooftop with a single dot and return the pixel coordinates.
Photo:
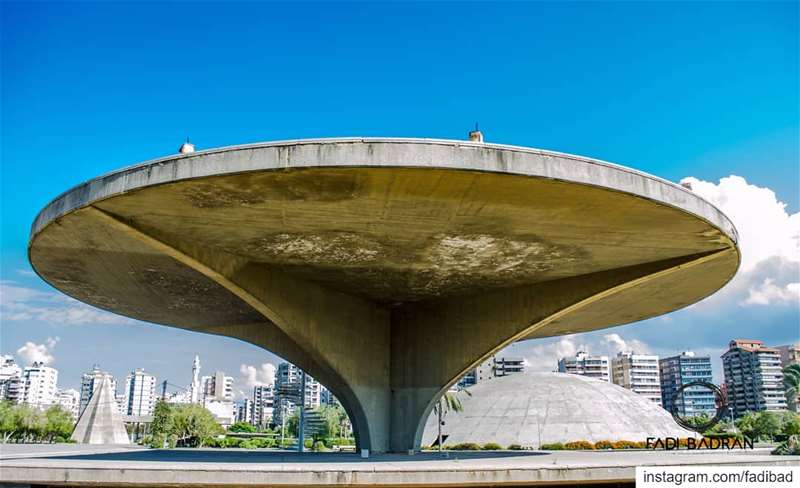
(301, 428)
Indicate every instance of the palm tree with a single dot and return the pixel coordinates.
(791, 380)
(447, 403)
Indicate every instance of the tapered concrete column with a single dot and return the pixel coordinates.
(436, 342)
(340, 340)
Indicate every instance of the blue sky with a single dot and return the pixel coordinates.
(704, 90)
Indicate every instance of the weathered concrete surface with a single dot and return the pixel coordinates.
(234, 467)
(531, 409)
(100, 422)
(383, 267)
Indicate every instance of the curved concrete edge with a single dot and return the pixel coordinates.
(575, 468)
(441, 154)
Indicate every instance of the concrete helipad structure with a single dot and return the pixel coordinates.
(386, 268)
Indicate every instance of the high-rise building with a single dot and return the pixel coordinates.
(790, 354)
(683, 369)
(140, 393)
(263, 405)
(491, 368)
(122, 407)
(217, 396)
(637, 372)
(244, 411)
(70, 401)
(10, 380)
(505, 366)
(39, 385)
(217, 387)
(584, 364)
(287, 379)
(753, 377)
(90, 381)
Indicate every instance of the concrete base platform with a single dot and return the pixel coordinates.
(76, 465)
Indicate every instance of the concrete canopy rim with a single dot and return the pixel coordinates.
(69, 200)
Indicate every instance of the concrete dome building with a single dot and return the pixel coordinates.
(532, 409)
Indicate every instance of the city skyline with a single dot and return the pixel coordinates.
(696, 112)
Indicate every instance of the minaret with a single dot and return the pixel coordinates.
(194, 390)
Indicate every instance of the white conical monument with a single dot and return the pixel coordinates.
(100, 422)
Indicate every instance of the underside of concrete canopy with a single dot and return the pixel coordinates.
(385, 268)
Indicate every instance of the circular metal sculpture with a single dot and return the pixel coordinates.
(687, 423)
(385, 268)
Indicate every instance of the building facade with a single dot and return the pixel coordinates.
(140, 393)
(90, 381)
(217, 387)
(790, 354)
(585, 365)
(263, 405)
(10, 380)
(287, 390)
(753, 377)
(637, 372)
(244, 411)
(70, 401)
(39, 385)
(492, 367)
(683, 369)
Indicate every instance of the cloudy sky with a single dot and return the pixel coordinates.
(703, 93)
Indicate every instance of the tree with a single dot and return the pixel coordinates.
(58, 423)
(448, 402)
(767, 424)
(789, 423)
(193, 424)
(162, 418)
(30, 422)
(8, 421)
(791, 380)
(747, 424)
(242, 427)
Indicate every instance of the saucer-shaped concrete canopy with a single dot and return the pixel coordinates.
(531, 409)
(385, 268)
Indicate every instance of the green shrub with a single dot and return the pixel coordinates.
(555, 446)
(492, 446)
(319, 446)
(466, 446)
(308, 444)
(790, 447)
(514, 447)
(249, 444)
(578, 445)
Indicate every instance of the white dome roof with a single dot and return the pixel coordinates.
(541, 408)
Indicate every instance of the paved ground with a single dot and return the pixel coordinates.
(81, 465)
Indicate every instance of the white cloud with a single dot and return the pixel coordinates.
(258, 376)
(769, 239)
(618, 344)
(38, 353)
(768, 293)
(19, 303)
(543, 355)
(765, 228)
